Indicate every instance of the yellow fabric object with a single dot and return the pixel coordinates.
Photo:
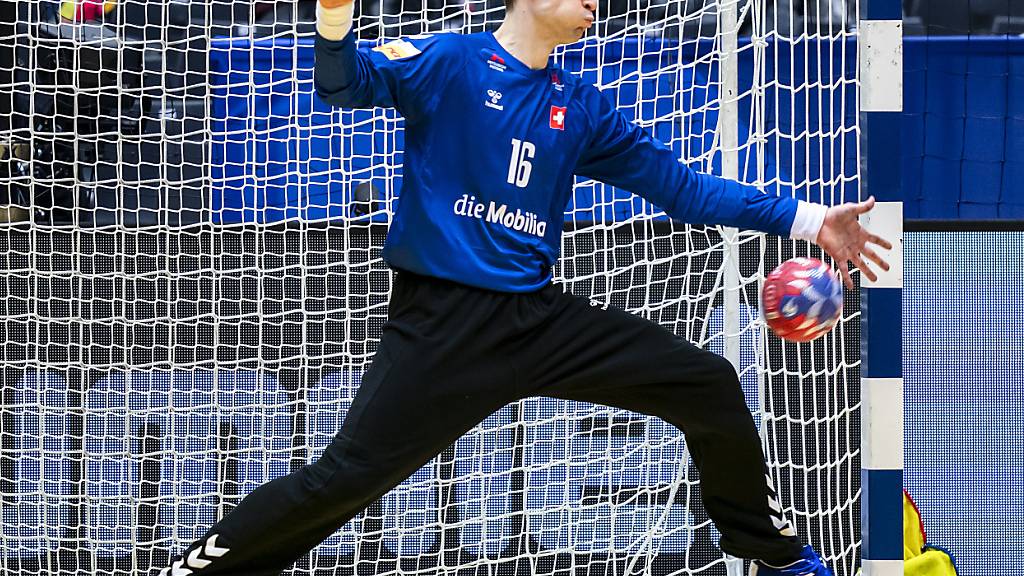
(918, 558)
(931, 562)
(913, 535)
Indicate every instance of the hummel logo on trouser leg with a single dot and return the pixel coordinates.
(195, 558)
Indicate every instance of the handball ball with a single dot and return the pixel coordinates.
(802, 299)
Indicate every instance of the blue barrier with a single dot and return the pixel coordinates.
(598, 492)
(35, 516)
(187, 409)
(279, 153)
(963, 127)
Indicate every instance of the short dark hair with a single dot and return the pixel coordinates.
(509, 4)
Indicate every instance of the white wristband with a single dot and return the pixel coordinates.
(334, 23)
(808, 221)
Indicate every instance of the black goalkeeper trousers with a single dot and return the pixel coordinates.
(451, 355)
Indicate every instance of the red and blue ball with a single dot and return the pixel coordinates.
(802, 299)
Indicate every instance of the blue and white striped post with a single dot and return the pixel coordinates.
(880, 55)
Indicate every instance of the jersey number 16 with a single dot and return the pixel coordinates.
(519, 166)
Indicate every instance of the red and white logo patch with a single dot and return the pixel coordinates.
(497, 63)
(557, 118)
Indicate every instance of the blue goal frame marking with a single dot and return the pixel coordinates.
(881, 318)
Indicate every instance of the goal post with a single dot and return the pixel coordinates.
(193, 286)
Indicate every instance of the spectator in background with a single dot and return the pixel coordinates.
(91, 76)
(86, 10)
(110, 57)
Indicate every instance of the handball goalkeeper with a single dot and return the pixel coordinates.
(495, 135)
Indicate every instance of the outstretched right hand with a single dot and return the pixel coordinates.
(845, 240)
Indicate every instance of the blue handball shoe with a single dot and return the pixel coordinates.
(809, 564)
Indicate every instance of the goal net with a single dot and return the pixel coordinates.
(191, 286)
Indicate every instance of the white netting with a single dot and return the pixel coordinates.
(191, 285)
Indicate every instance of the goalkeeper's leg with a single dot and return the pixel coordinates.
(440, 369)
(614, 358)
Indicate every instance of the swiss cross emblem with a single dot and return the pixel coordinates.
(557, 118)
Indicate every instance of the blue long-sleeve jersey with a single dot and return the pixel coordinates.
(492, 151)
